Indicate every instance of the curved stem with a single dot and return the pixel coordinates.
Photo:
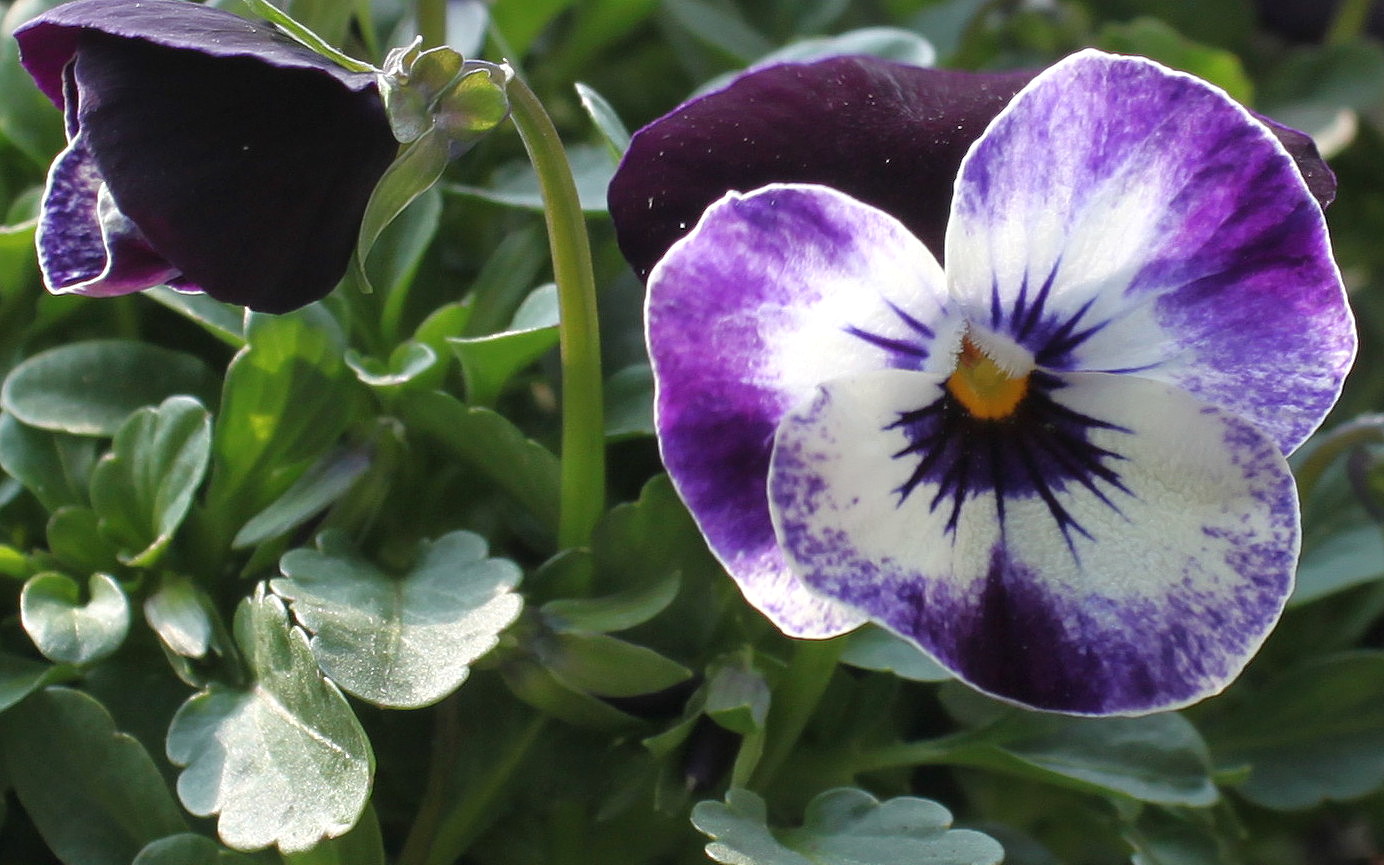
(794, 703)
(432, 22)
(582, 496)
(1366, 429)
(1349, 23)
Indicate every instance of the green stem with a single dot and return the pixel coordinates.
(794, 702)
(582, 496)
(432, 22)
(1349, 23)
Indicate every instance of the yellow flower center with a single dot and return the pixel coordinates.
(986, 390)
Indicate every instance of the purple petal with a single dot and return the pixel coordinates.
(48, 42)
(1124, 550)
(1121, 217)
(888, 134)
(770, 294)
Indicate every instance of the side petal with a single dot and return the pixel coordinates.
(772, 293)
(1131, 565)
(889, 134)
(1122, 217)
(250, 179)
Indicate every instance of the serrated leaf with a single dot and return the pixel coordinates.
(1312, 734)
(142, 489)
(844, 826)
(872, 648)
(94, 793)
(405, 641)
(492, 446)
(90, 388)
(283, 761)
(53, 466)
(608, 123)
(68, 631)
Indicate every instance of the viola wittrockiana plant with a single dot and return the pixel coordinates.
(1056, 465)
(205, 151)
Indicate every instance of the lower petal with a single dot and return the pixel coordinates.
(1139, 578)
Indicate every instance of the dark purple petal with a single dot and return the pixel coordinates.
(239, 158)
(889, 134)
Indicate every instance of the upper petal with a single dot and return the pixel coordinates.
(1119, 216)
(771, 294)
(48, 42)
(1125, 550)
(889, 134)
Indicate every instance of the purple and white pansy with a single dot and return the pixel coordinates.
(1056, 465)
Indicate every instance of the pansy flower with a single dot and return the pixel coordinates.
(205, 151)
(1056, 465)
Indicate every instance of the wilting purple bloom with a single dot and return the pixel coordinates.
(205, 151)
(1056, 466)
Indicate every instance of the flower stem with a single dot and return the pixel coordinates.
(794, 703)
(1366, 429)
(432, 22)
(582, 496)
(1349, 23)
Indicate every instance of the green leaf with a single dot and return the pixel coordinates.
(1312, 734)
(287, 398)
(843, 826)
(90, 388)
(53, 466)
(68, 631)
(221, 320)
(94, 793)
(412, 173)
(1160, 836)
(516, 184)
(284, 761)
(492, 446)
(617, 612)
(17, 265)
(605, 666)
(1342, 545)
(304, 36)
(408, 641)
(872, 648)
(1154, 758)
(612, 130)
(399, 250)
(629, 403)
(143, 488)
(1312, 87)
(313, 492)
(186, 848)
(737, 696)
(20, 677)
(489, 362)
(1153, 38)
(533, 683)
(719, 28)
(181, 615)
(889, 43)
(76, 541)
(520, 22)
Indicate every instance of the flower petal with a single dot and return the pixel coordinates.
(889, 134)
(1130, 565)
(1118, 216)
(771, 294)
(48, 42)
(248, 178)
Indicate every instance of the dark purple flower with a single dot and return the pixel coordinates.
(888, 134)
(205, 151)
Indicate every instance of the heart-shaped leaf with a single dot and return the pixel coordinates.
(283, 761)
(65, 629)
(143, 488)
(844, 826)
(405, 641)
